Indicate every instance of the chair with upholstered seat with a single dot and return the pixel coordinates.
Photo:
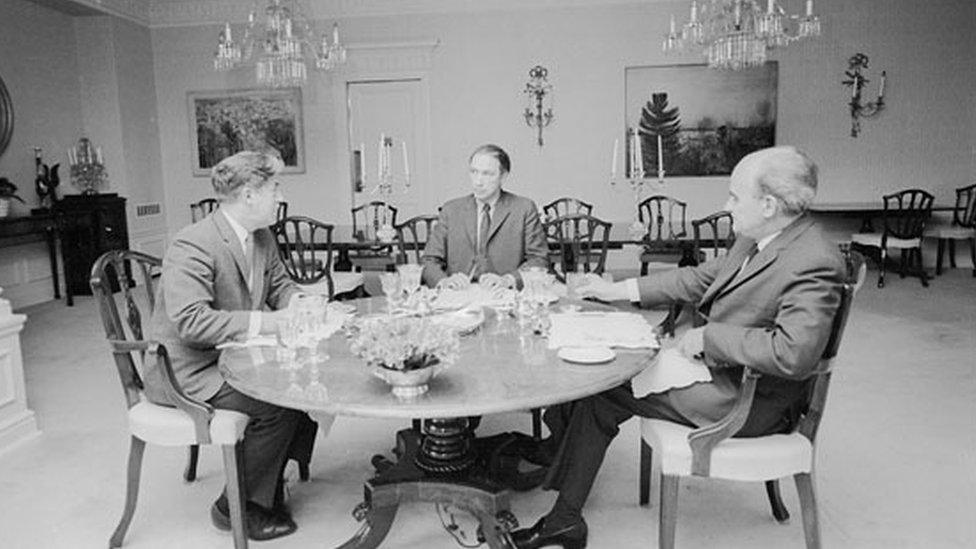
(963, 228)
(203, 208)
(904, 216)
(412, 236)
(711, 452)
(190, 422)
(367, 219)
(305, 249)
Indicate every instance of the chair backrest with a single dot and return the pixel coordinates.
(369, 217)
(412, 236)
(135, 276)
(582, 241)
(856, 272)
(203, 208)
(564, 206)
(905, 213)
(305, 249)
(282, 211)
(664, 217)
(965, 213)
(714, 235)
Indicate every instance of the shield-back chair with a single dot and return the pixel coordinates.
(904, 217)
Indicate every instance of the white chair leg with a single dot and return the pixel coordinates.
(235, 498)
(668, 512)
(808, 507)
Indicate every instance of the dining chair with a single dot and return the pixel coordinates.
(203, 208)
(564, 206)
(366, 221)
(582, 242)
(903, 218)
(665, 219)
(712, 451)
(963, 228)
(412, 236)
(189, 422)
(305, 249)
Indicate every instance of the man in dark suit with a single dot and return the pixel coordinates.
(217, 276)
(487, 235)
(769, 305)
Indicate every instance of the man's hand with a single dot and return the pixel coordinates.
(594, 286)
(493, 281)
(692, 344)
(457, 281)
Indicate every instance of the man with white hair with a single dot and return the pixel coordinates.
(768, 305)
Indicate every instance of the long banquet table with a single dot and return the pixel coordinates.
(499, 371)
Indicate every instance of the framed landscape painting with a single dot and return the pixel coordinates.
(708, 119)
(226, 122)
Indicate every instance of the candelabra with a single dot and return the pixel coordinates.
(87, 168)
(385, 178)
(538, 88)
(635, 173)
(856, 80)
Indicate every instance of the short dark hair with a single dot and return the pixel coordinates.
(494, 151)
(246, 168)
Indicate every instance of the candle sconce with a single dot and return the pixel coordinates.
(538, 88)
(856, 81)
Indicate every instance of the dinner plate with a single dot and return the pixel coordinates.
(587, 355)
(464, 321)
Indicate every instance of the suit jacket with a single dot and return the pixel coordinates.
(203, 300)
(775, 316)
(515, 239)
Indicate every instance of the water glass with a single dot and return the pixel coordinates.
(410, 277)
(391, 288)
(289, 338)
(574, 280)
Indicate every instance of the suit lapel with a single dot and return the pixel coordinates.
(733, 261)
(502, 210)
(470, 216)
(257, 279)
(233, 245)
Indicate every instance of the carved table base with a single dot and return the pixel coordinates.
(448, 465)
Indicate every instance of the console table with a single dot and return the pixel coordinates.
(39, 223)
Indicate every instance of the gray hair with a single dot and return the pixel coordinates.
(246, 168)
(786, 174)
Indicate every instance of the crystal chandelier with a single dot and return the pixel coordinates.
(735, 34)
(279, 47)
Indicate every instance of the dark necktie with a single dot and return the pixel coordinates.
(484, 225)
(249, 259)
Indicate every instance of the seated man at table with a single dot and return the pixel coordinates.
(487, 235)
(769, 305)
(217, 276)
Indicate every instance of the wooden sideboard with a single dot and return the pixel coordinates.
(90, 226)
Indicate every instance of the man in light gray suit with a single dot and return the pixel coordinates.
(218, 275)
(769, 305)
(487, 235)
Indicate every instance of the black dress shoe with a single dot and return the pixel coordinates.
(262, 524)
(568, 536)
(537, 453)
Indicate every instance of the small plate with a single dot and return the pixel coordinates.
(587, 355)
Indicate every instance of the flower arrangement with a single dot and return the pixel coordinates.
(9, 190)
(405, 343)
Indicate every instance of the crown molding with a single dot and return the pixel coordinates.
(137, 11)
(178, 13)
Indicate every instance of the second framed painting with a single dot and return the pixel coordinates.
(708, 119)
(226, 122)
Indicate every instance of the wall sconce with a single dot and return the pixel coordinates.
(537, 89)
(856, 81)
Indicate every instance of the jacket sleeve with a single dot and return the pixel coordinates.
(434, 258)
(686, 284)
(790, 346)
(188, 280)
(536, 248)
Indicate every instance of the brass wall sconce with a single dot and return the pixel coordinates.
(856, 80)
(538, 88)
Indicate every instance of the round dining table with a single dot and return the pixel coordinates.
(501, 369)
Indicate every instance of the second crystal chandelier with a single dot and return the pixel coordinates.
(279, 46)
(736, 34)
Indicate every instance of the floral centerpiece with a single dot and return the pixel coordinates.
(406, 352)
(8, 191)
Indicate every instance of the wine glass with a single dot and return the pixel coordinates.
(410, 277)
(391, 288)
(289, 338)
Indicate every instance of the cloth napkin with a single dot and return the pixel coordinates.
(474, 296)
(671, 370)
(601, 329)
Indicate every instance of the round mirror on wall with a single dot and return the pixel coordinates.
(6, 117)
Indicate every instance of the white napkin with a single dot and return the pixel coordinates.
(474, 296)
(601, 329)
(671, 370)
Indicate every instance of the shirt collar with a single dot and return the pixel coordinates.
(239, 230)
(764, 241)
(491, 204)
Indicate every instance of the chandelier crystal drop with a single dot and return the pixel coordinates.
(737, 34)
(279, 46)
